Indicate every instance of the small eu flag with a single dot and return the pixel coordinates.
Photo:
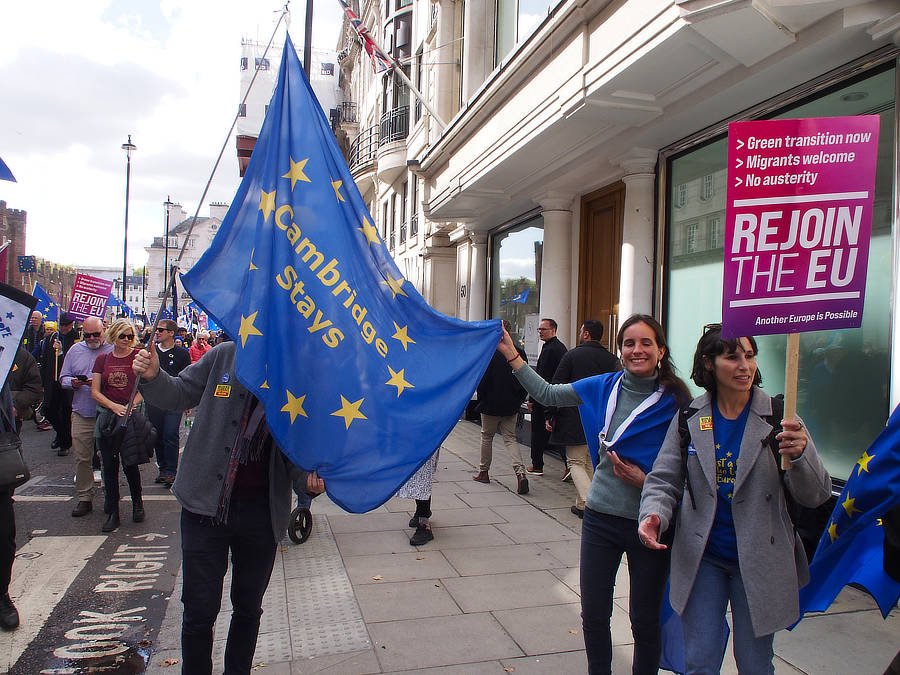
(361, 380)
(45, 305)
(852, 548)
(27, 264)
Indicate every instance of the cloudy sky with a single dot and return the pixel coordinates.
(79, 77)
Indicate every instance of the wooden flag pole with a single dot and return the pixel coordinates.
(791, 367)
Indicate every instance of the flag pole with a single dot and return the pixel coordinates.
(171, 279)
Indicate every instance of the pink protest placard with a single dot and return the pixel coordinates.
(89, 296)
(798, 222)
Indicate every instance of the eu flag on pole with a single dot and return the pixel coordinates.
(361, 380)
(852, 548)
(46, 305)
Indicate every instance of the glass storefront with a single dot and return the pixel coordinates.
(516, 254)
(844, 375)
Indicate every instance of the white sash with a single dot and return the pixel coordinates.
(648, 402)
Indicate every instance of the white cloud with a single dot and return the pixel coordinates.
(79, 77)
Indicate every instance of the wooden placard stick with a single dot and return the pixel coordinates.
(791, 366)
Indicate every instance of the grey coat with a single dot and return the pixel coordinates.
(770, 554)
(204, 463)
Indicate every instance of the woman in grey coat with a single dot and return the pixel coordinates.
(734, 539)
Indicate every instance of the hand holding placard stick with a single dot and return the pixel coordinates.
(798, 222)
(791, 367)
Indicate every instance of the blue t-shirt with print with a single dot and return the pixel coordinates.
(722, 543)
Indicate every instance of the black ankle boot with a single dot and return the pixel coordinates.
(112, 522)
(137, 511)
(9, 615)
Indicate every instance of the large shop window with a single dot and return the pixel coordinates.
(516, 255)
(844, 375)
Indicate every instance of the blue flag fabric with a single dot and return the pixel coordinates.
(639, 442)
(113, 301)
(46, 305)
(5, 173)
(852, 547)
(361, 380)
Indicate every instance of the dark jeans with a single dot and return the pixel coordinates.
(7, 540)
(168, 426)
(205, 546)
(109, 454)
(58, 411)
(604, 539)
(539, 436)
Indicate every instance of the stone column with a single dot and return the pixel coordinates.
(478, 276)
(556, 268)
(637, 262)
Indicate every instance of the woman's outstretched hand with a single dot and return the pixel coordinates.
(649, 533)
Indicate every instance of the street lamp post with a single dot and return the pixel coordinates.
(168, 204)
(128, 147)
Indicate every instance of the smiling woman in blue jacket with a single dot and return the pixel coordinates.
(625, 416)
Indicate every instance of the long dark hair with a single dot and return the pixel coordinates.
(711, 345)
(669, 381)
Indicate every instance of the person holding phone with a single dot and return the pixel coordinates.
(77, 374)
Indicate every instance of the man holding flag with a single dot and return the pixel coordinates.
(336, 360)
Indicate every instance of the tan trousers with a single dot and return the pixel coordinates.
(489, 424)
(578, 459)
(83, 445)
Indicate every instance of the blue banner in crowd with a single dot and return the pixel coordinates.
(46, 305)
(361, 380)
(852, 548)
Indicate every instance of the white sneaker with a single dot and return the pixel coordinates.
(98, 476)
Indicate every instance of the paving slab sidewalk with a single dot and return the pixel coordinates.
(497, 591)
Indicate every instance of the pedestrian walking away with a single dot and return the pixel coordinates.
(734, 542)
(500, 397)
(588, 358)
(111, 388)
(625, 416)
(236, 502)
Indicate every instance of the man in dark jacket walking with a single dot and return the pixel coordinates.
(499, 398)
(551, 354)
(58, 401)
(588, 358)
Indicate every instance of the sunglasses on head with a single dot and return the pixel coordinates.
(126, 336)
(93, 335)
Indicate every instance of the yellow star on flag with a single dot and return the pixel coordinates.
(402, 336)
(296, 172)
(265, 384)
(832, 531)
(398, 381)
(336, 184)
(369, 230)
(849, 506)
(350, 411)
(294, 405)
(266, 203)
(864, 462)
(395, 285)
(252, 266)
(247, 328)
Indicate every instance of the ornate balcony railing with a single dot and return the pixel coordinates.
(363, 149)
(394, 125)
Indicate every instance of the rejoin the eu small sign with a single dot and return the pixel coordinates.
(799, 219)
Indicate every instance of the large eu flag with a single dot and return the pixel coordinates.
(852, 548)
(361, 380)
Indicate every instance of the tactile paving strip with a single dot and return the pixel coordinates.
(309, 609)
